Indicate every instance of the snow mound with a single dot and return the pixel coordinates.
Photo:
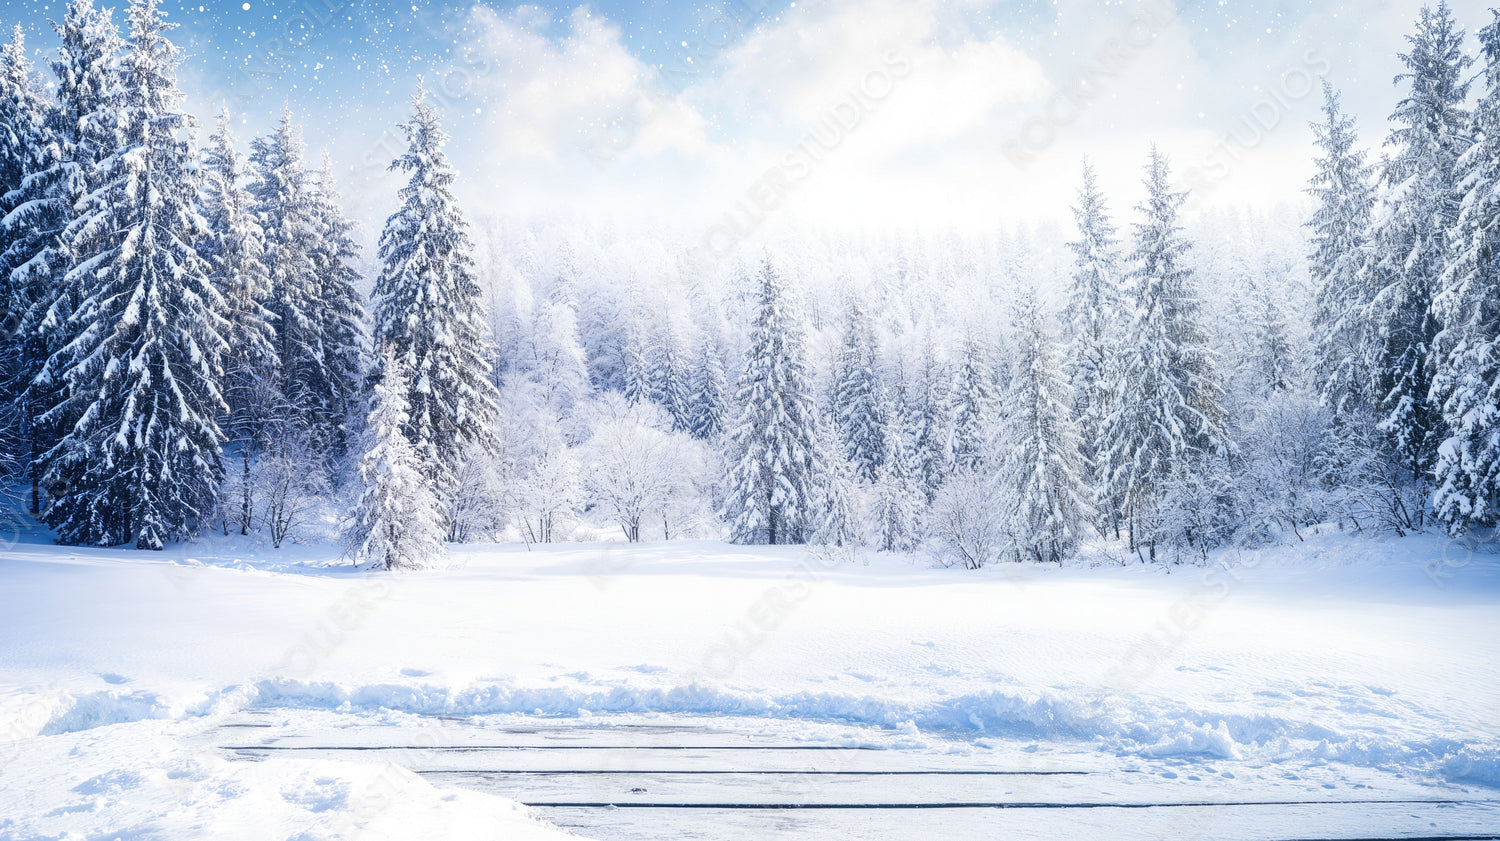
(138, 781)
(1126, 725)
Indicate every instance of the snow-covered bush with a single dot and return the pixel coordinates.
(1367, 488)
(1281, 487)
(477, 509)
(966, 523)
(548, 493)
(639, 475)
(290, 487)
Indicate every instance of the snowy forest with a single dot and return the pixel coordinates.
(191, 345)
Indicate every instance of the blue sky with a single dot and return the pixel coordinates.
(684, 109)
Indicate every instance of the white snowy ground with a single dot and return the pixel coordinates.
(1351, 655)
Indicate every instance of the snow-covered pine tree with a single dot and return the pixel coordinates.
(1091, 318)
(1408, 235)
(669, 377)
(429, 309)
(1165, 406)
(316, 308)
(972, 401)
(1273, 360)
(637, 361)
(397, 523)
(1343, 357)
(23, 149)
(79, 135)
(142, 462)
(23, 144)
(283, 207)
(233, 248)
(773, 474)
(833, 517)
(1467, 383)
(899, 496)
(930, 401)
(338, 315)
(709, 392)
(1043, 471)
(858, 394)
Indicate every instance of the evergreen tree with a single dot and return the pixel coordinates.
(24, 139)
(1408, 236)
(1166, 398)
(671, 387)
(308, 247)
(973, 398)
(833, 520)
(337, 317)
(899, 496)
(709, 390)
(1467, 384)
(1043, 470)
(233, 249)
(429, 311)
(396, 524)
(80, 133)
(638, 387)
(1272, 357)
(857, 396)
(773, 477)
(933, 445)
(142, 462)
(23, 144)
(1091, 318)
(1343, 357)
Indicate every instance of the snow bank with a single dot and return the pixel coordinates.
(138, 781)
(1146, 726)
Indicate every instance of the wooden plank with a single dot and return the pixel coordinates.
(1221, 823)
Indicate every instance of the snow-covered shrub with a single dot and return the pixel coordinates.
(967, 522)
(1367, 487)
(290, 488)
(1198, 511)
(1281, 487)
(639, 475)
(477, 508)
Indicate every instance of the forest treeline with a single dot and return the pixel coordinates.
(187, 347)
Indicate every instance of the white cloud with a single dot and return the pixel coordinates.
(573, 119)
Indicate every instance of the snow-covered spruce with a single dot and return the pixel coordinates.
(428, 307)
(397, 523)
(899, 497)
(1466, 386)
(41, 225)
(1092, 315)
(857, 397)
(1408, 233)
(24, 148)
(973, 399)
(1043, 465)
(234, 248)
(1166, 397)
(312, 296)
(1343, 351)
(773, 478)
(709, 392)
(141, 464)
